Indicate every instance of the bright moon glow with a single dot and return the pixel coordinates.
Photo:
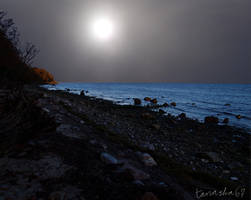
(103, 29)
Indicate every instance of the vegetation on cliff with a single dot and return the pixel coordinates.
(15, 62)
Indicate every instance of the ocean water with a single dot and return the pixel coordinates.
(196, 100)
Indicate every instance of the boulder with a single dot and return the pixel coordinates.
(137, 101)
(108, 159)
(211, 120)
(227, 104)
(225, 121)
(173, 104)
(161, 111)
(165, 105)
(182, 115)
(238, 116)
(147, 159)
(154, 101)
(82, 93)
(147, 99)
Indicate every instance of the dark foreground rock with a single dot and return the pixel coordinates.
(56, 145)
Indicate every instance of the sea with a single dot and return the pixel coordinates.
(196, 100)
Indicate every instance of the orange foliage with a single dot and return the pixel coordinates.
(46, 76)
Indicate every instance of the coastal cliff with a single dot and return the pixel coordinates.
(13, 69)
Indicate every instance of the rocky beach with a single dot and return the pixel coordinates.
(56, 145)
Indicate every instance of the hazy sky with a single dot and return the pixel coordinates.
(153, 40)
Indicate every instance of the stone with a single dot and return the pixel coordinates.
(147, 99)
(147, 116)
(211, 156)
(147, 159)
(82, 93)
(235, 165)
(182, 115)
(138, 182)
(137, 101)
(214, 157)
(133, 173)
(161, 111)
(173, 104)
(225, 121)
(57, 196)
(238, 116)
(108, 159)
(154, 101)
(204, 160)
(165, 105)
(149, 196)
(156, 126)
(46, 110)
(227, 104)
(211, 120)
(148, 146)
(234, 178)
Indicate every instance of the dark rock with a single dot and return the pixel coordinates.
(148, 146)
(161, 111)
(182, 115)
(57, 196)
(147, 159)
(82, 93)
(137, 101)
(154, 101)
(211, 156)
(211, 120)
(225, 121)
(238, 116)
(147, 99)
(165, 105)
(173, 104)
(227, 104)
(156, 126)
(147, 116)
(108, 159)
(131, 173)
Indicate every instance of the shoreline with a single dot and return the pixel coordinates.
(234, 111)
(184, 153)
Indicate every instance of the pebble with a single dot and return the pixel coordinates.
(46, 110)
(108, 159)
(234, 178)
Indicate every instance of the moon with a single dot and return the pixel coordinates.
(103, 29)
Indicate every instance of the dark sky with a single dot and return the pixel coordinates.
(154, 41)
